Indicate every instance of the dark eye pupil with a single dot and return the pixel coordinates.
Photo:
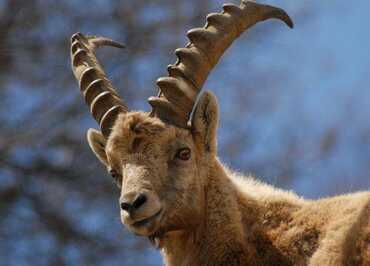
(184, 154)
(114, 174)
(117, 178)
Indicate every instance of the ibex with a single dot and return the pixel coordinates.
(174, 189)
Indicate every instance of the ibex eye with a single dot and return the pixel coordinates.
(114, 174)
(183, 154)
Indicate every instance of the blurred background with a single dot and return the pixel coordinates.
(295, 112)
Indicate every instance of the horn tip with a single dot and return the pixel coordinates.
(283, 16)
(103, 41)
(289, 22)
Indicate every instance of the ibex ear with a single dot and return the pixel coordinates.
(97, 143)
(205, 122)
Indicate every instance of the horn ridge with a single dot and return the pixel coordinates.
(202, 53)
(102, 98)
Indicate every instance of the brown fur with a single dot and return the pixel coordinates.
(212, 216)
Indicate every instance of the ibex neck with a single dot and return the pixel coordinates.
(220, 237)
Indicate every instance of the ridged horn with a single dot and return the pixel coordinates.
(178, 92)
(102, 98)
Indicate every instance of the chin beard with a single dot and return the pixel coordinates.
(172, 224)
(155, 241)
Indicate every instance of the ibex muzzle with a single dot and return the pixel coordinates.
(140, 203)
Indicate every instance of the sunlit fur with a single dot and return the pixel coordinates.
(213, 216)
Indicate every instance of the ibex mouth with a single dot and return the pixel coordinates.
(146, 221)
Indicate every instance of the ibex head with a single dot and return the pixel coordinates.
(160, 159)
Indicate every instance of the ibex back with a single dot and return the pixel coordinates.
(175, 191)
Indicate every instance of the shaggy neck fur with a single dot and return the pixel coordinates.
(222, 218)
(251, 223)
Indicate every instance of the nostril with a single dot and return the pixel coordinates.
(125, 206)
(139, 201)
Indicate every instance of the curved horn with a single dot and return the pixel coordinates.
(179, 91)
(102, 98)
